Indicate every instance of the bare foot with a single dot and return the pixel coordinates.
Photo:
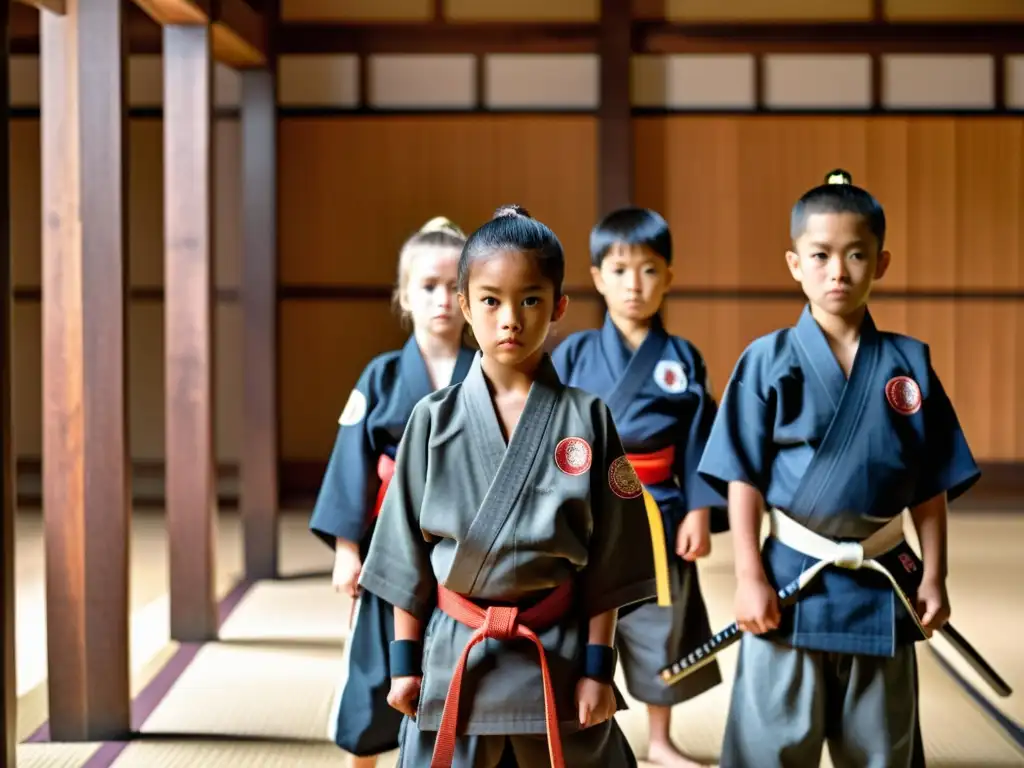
(668, 755)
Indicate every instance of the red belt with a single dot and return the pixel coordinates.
(385, 471)
(653, 468)
(500, 623)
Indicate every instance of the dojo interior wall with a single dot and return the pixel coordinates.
(456, 136)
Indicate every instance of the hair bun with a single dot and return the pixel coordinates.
(838, 176)
(511, 211)
(441, 224)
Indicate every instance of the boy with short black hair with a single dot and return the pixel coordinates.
(655, 385)
(836, 427)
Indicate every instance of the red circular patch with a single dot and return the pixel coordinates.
(573, 455)
(623, 480)
(903, 395)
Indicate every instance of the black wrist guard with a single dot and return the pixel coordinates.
(600, 663)
(406, 658)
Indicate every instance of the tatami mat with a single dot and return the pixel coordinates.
(305, 611)
(54, 755)
(198, 754)
(251, 690)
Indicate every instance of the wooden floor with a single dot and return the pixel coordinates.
(262, 695)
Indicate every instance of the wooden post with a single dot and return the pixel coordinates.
(85, 459)
(8, 700)
(259, 482)
(188, 318)
(614, 118)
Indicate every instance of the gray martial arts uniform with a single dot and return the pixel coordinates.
(508, 524)
(840, 458)
(659, 399)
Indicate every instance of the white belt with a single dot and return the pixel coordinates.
(852, 555)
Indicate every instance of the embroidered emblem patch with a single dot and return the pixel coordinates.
(355, 409)
(908, 562)
(573, 455)
(671, 377)
(623, 480)
(903, 395)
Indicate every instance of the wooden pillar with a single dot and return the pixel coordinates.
(189, 326)
(85, 467)
(259, 483)
(8, 699)
(614, 119)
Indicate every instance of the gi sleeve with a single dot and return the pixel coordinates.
(947, 465)
(350, 484)
(698, 493)
(738, 448)
(397, 568)
(620, 563)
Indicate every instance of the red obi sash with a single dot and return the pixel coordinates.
(385, 471)
(500, 623)
(653, 468)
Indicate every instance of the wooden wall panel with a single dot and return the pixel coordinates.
(522, 10)
(953, 191)
(722, 329)
(26, 204)
(146, 381)
(357, 10)
(27, 377)
(352, 189)
(768, 10)
(586, 310)
(954, 10)
(324, 347)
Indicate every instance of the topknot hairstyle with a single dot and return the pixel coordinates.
(512, 228)
(631, 227)
(839, 195)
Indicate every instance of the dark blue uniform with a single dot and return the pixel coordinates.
(659, 401)
(371, 427)
(841, 457)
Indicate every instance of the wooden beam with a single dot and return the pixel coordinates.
(8, 696)
(239, 35)
(177, 11)
(435, 37)
(189, 324)
(51, 6)
(85, 455)
(852, 37)
(259, 460)
(614, 117)
(650, 36)
(239, 31)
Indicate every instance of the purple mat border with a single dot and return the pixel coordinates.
(150, 697)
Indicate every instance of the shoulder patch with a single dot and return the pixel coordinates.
(671, 377)
(573, 455)
(623, 480)
(903, 394)
(355, 409)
